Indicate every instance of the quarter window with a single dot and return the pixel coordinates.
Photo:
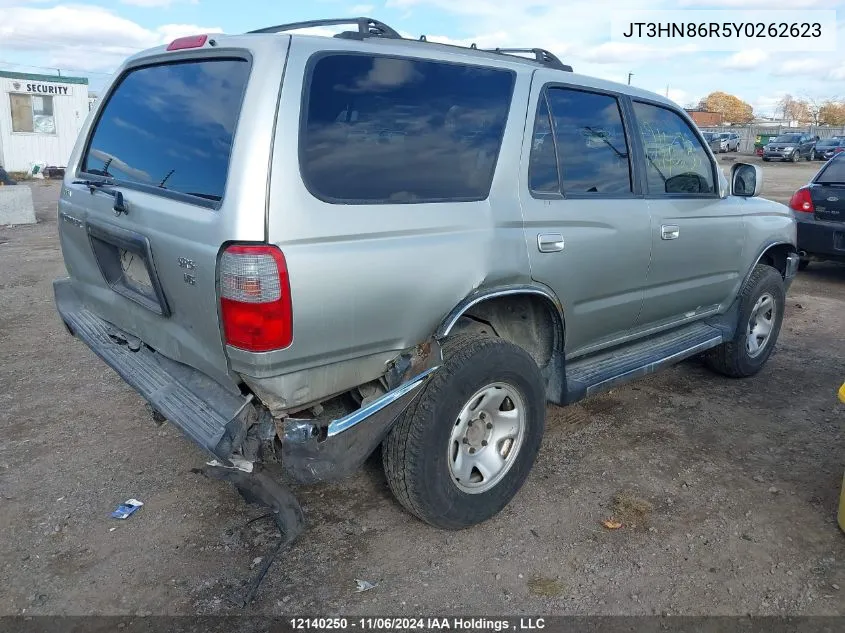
(592, 148)
(542, 167)
(393, 130)
(675, 160)
(32, 113)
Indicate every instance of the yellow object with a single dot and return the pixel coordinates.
(842, 491)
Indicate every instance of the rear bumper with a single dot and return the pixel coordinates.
(206, 412)
(822, 239)
(228, 426)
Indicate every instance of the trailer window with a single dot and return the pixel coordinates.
(32, 113)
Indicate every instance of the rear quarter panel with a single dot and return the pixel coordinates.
(370, 280)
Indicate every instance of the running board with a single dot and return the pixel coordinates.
(605, 370)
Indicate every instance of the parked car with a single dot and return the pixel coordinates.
(792, 146)
(728, 142)
(713, 140)
(820, 211)
(300, 248)
(827, 147)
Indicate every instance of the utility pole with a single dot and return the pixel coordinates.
(629, 78)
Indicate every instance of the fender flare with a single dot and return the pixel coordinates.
(476, 297)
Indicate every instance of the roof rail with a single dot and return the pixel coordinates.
(541, 55)
(367, 27)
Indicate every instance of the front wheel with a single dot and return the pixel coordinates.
(795, 156)
(464, 447)
(761, 308)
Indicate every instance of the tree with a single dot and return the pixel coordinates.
(733, 109)
(792, 109)
(832, 113)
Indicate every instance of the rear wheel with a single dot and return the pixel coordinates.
(812, 154)
(761, 307)
(465, 446)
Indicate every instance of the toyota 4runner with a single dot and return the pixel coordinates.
(299, 249)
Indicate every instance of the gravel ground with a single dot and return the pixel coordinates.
(727, 490)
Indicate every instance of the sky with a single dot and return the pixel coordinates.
(91, 37)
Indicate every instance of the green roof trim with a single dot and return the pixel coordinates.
(51, 78)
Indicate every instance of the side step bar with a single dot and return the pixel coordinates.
(605, 370)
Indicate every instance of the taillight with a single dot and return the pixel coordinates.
(839, 149)
(802, 201)
(191, 41)
(255, 304)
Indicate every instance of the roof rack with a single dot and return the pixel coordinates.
(367, 27)
(541, 55)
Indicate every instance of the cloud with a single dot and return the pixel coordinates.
(361, 9)
(807, 65)
(83, 36)
(745, 60)
(762, 4)
(155, 3)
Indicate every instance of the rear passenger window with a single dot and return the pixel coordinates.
(392, 130)
(676, 162)
(591, 144)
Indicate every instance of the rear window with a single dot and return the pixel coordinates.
(170, 127)
(393, 130)
(833, 172)
(827, 142)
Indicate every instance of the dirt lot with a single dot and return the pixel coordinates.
(728, 489)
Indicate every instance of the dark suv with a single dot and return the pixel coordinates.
(793, 146)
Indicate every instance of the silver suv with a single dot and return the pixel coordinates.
(300, 249)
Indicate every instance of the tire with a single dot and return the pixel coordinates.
(795, 156)
(734, 358)
(766, 159)
(803, 263)
(813, 155)
(419, 453)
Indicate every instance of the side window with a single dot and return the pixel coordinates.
(675, 160)
(542, 166)
(591, 144)
(380, 129)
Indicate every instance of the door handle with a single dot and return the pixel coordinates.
(550, 242)
(670, 232)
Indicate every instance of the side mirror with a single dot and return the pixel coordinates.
(746, 180)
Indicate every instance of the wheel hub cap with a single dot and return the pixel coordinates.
(760, 325)
(486, 437)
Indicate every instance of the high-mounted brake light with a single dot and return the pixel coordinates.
(802, 201)
(191, 41)
(255, 304)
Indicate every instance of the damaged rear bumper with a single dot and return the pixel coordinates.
(227, 425)
(312, 452)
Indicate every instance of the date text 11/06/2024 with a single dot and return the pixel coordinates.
(419, 624)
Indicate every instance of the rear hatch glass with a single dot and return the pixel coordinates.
(168, 128)
(829, 191)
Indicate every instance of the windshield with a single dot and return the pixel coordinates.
(708, 136)
(787, 138)
(170, 127)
